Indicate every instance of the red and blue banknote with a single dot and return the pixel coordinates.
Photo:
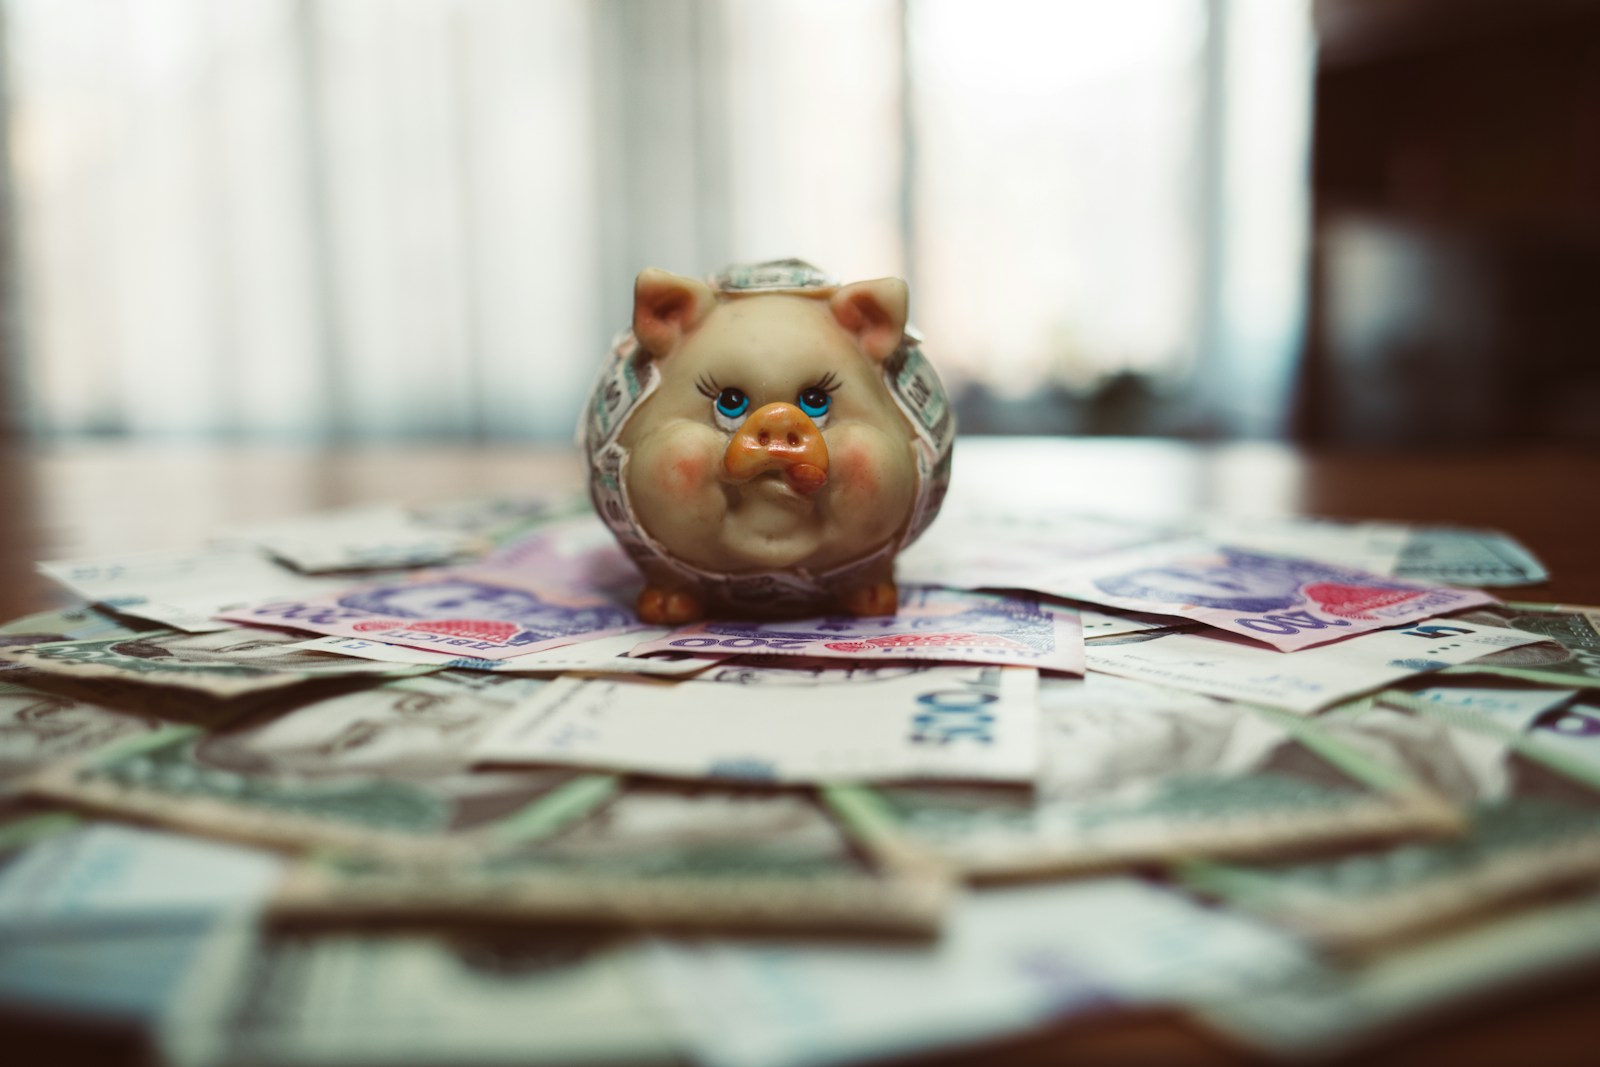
(1286, 602)
(944, 625)
(482, 612)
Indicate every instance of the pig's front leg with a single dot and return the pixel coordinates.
(662, 602)
(873, 593)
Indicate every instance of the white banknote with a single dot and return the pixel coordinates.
(988, 549)
(361, 538)
(185, 589)
(899, 722)
(1116, 623)
(1226, 666)
(601, 655)
(1374, 547)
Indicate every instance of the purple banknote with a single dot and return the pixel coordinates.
(1288, 603)
(932, 624)
(484, 612)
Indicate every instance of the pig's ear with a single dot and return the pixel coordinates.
(875, 312)
(667, 306)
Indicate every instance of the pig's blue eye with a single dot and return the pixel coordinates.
(814, 401)
(732, 403)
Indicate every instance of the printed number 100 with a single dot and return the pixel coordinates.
(953, 715)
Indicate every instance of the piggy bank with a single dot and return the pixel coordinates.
(765, 442)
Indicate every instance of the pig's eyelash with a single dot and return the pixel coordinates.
(829, 382)
(708, 386)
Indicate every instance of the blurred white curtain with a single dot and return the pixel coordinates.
(384, 218)
(351, 218)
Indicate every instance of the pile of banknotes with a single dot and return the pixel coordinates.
(399, 785)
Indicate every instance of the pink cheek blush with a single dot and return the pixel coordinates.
(684, 472)
(857, 472)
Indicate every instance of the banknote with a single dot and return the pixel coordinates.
(481, 612)
(682, 856)
(1374, 547)
(24, 822)
(1117, 623)
(104, 921)
(1569, 654)
(1469, 557)
(1332, 1008)
(599, 655)
(374, 536)
(944, 625)
(1286, 602)
(392, 536)
(291, 797)
(186, 589)
(1226, 666)
(501, 516)
(995, 548)
(80, 623)
(1534, 828)
(293, 998)
(39, 727)
(222, 663)
(1518, 707)
(1445, 554)
(1010, 960)
(903, 721)
(577, 553)
(1132, 773)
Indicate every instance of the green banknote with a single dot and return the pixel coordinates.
(293, 998)
(223, 663)
(40, 725)
(188, 778)
(1531, 787)
(657, 854)
(1134, 773)
(1569, 657)
(81, 623)
(1332, 1008)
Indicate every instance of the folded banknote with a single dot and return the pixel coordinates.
(657, 854)
(1134, 774)
(270, 791)
(1283, 601)
(1226, 666)
(1533, 825)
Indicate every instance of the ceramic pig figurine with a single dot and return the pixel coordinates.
(764, 443)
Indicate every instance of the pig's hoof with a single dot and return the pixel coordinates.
(879, 598)
(668, 607)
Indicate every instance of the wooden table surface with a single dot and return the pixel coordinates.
(94, 499)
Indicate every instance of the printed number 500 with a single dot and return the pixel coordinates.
(953, 715)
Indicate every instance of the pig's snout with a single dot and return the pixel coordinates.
(779, 437)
